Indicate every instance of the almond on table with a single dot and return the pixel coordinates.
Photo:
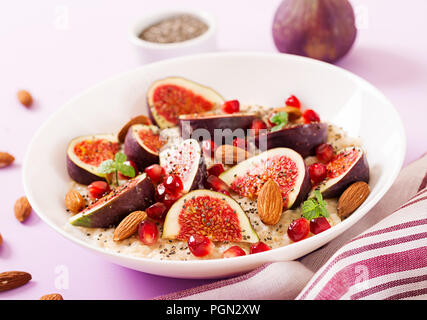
(22, 209)
(25, 98)
(6, 159)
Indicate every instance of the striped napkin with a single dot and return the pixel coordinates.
(383, 256)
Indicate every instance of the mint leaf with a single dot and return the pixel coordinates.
(108, 166)
(126, 170)
(120, 157)
(278, 127)
(280, 119)
(315, 207)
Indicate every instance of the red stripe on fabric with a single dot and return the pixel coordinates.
(215, 285)
(410, 203)
(378, 266)
(387, 285)
(408, 294)
(423, 183)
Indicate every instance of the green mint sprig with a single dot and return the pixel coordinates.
(315, 207)
(117, 165)
(280, 120)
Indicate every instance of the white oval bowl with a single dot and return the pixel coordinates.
(254, 78)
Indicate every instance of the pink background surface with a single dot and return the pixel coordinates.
(55, 63)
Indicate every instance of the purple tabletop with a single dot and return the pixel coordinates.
(56, 49)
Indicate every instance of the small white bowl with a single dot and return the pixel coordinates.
(152, 51)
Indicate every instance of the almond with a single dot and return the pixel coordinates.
(129, 225)
(25, 98)
(74, 201)
(22, 209)
(136, 120)
(352, 198)
(1, 240)
(52, 296)
(6, 159)
(270, 203)
(229, 154)
(13, 279)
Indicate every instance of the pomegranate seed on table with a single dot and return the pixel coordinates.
(173, 184)
(216, 184)
(199, 245)
(318, 225)
(258, 247)
(234, 251)
(293, 101)
(216, 169)
(324, 152)
(317, 172)
(156, 173)
(231, 106)
(209, 147)
(310, 116)
(97, 189)
(258, 125)
(298, 229)
(157, 211)
(147, 232)
(132, 164)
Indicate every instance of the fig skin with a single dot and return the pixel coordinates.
(81, 175)
(320, 29)
(304, 190)
(302, 138)
(137, 153)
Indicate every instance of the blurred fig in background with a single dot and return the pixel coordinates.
(320, 29)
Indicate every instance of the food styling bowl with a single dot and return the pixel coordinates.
(265, 79)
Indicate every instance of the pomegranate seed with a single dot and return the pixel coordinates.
(209, 147)
(258, 247)
(324, 152)
(160, 192)
(147, 232)
(293, 102)
(97, 189)
(132, 164)
(200, 245)
(155, 172)
(240, 143)
(310, 116)
(216, 169)
(225, 192)
(217, 184)
(173, 184)
(318, 225)
(298, 229)
(234, 251)
(258, 125)
(317, 172)
(231, 106)
(170, 199)
(157, 211)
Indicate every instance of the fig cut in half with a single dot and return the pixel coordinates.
(348, 166)
(85, 155)
(136, 194)
(169, 98)
(284, 166)
(208, 213)
(142, 145)
(185, 160)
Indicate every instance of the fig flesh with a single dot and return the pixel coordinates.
(283, 165)
(211, 214)
(85, 155)
(169, 98)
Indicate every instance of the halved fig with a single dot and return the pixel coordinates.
(348, 166)
(85, 154)
(185, 160)
(142, 145)
(211, 214)
(209, 122)
(303, 138)
(171, 97)
(136, 194)
(283, 165)
(141, 119)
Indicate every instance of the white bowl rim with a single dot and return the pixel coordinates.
(250, 258)
(148, 19)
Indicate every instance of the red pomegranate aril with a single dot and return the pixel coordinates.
(209, 147)
(216, 184)
(258, 247)
(216, 169)
(293, 102)
(318, 225)
(234, 251)
(132, 164)
(157, 211)
(258, 125)
(160, 192)
(298, 229)
(156, 173)
(148, 232)
(325, 152)
(310, 116)
(97, 189)
(173, 184)
(200, 245)
(170, 199)
(240, 143)
(317, 172)
(231, 106)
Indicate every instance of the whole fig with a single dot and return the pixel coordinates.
(320, 29)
